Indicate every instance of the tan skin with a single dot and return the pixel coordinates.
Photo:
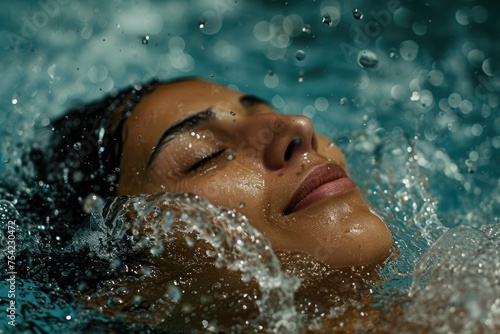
(242, 155)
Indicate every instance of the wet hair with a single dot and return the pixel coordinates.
(87, 143)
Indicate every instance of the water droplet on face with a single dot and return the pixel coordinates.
(357, 14)
(300, 55)
(145, 40)
(242, 204)
(231, 155)
(367, 59)
(232, 113)
(327, 20)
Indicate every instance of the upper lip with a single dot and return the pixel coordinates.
(317, 177)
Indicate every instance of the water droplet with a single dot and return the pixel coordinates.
(392, 53)
(231, 155)
(327, 20)
(77, 146)
(92, 202)
(216, 286)
(157, 249)
(242, 204)
(301, 77)
(344, 101)
(300, 55)
(357, 14)
(115, 301)
(367, 58)
(202, 23)
(14, 101)
(145, 40)
(306, 29)
(174, 292)
(232, 113)
(415, 96)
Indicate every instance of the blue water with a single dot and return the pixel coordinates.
(410, 91)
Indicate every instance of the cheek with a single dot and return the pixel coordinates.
(233, 187)
(330, 151)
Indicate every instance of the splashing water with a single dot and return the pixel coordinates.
(228, 237)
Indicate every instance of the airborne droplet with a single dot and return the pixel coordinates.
(306, 29)
(357, 14)
(300, 55)
(145, 40)
(327, 20)
(367, 58)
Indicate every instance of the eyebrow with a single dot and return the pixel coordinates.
(182, 126)
(249, 101)
(189, 123)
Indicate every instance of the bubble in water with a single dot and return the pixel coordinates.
(300, 55)
(357, 14)
(367, 58)
(145, 40)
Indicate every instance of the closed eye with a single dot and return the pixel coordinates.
(203, 161)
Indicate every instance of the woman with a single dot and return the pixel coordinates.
(199, 137)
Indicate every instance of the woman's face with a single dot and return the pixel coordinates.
(199, 137)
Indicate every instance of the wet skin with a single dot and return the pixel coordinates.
(199, 137)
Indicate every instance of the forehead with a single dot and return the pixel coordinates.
(171, 102)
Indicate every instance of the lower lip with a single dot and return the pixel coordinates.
(324, 191)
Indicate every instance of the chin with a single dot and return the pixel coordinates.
(342, 233)
(365, 240)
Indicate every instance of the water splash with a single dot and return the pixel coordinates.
(152, 222)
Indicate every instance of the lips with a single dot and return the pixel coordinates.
(322, 182)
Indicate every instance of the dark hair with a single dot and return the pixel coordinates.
(87, 143)
(74, 159)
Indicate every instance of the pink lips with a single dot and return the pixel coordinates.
(322, 182)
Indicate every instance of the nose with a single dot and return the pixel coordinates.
(282, 138)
